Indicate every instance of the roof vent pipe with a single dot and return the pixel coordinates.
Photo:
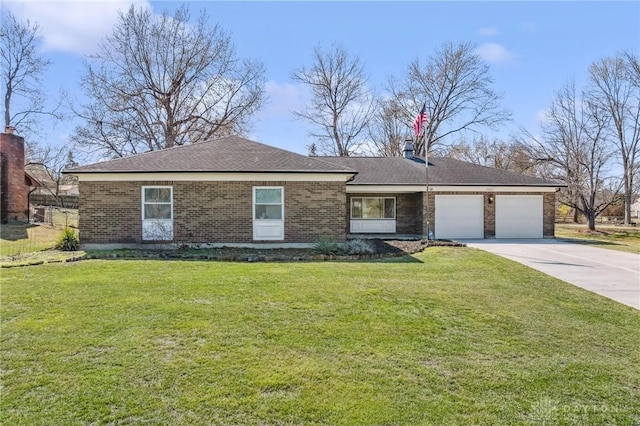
(407, 151)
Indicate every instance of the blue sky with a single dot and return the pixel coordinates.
(533, 48)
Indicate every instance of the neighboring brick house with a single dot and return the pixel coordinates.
(15, 182)
(233, 191)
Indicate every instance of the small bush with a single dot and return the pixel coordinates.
(68, 240)
(325, 246)
(356, 247)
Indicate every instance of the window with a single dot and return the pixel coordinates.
(157, 213)
(267, 202)
(157, 202)
(268, 213)
(373, 208)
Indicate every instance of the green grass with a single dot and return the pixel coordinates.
(20, 238)
(621, 238)
(64, 217)
(29, 244)
(450, 336)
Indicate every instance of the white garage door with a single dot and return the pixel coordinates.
(459, 216)
(519, 216)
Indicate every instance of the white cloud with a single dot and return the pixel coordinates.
(283, 98)
(488, 31)
(541, 116)
(73, 26)
(495, 53)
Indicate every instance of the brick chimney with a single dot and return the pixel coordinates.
(14, 192)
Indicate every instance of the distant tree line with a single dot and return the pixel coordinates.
(161, 80)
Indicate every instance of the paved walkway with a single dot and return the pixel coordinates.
(610, 273)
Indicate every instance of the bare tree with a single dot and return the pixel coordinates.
(456, 85)
(634, 68)
(497, 154)
(387, 130)
(341, 103)
(618, 95)
(22, 69)
(576, 151)
(52, 161)
(160, 81)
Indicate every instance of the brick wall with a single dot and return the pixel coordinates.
(211, 212)
(14, 193)
(548, 202)
(489, 215)
(549, 214)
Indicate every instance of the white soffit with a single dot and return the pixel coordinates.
(481, 188)
(213, 177)
(377, 189)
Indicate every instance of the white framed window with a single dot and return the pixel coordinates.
(372, 208)
(268, 203)
(268, 213)
(157, 213)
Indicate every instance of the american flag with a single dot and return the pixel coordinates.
(421, 118)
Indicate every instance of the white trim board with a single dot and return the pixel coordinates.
(495, 189)
(213, 177)
(390, 189)
(397, 189)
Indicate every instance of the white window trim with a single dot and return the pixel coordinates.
(159, 221)
(395, 207)
(142, 198)
(281, 203)
(260, 225)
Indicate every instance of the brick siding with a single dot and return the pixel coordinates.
(221, 212)
(211, 212)
(548, 210)
(14, 193)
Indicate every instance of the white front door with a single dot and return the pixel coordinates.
(268, 213)
(519, 216)
(459, 216)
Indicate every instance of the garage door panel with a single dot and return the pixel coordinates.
(519, 216)
(459, 216)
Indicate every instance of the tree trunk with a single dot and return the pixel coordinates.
(575, 215)
(591, 218)
(7, 106)
(627, 206)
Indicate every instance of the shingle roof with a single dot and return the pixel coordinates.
(236, 154)
(228, 154)
(382, 170)
(442, 171)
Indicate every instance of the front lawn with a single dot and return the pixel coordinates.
(449, 336)
(621, 238)
(20, 238)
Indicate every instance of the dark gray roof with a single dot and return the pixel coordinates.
(382, 170)
(442, 171)
(228, 154)
(236, 154)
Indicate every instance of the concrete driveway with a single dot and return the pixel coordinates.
(610, 273)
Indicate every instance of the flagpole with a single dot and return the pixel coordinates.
(426, 160)
(418, 127)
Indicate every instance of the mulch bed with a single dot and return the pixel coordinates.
(382, 248)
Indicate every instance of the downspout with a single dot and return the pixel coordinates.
(29, 204)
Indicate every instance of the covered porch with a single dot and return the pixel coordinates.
(385, 215)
